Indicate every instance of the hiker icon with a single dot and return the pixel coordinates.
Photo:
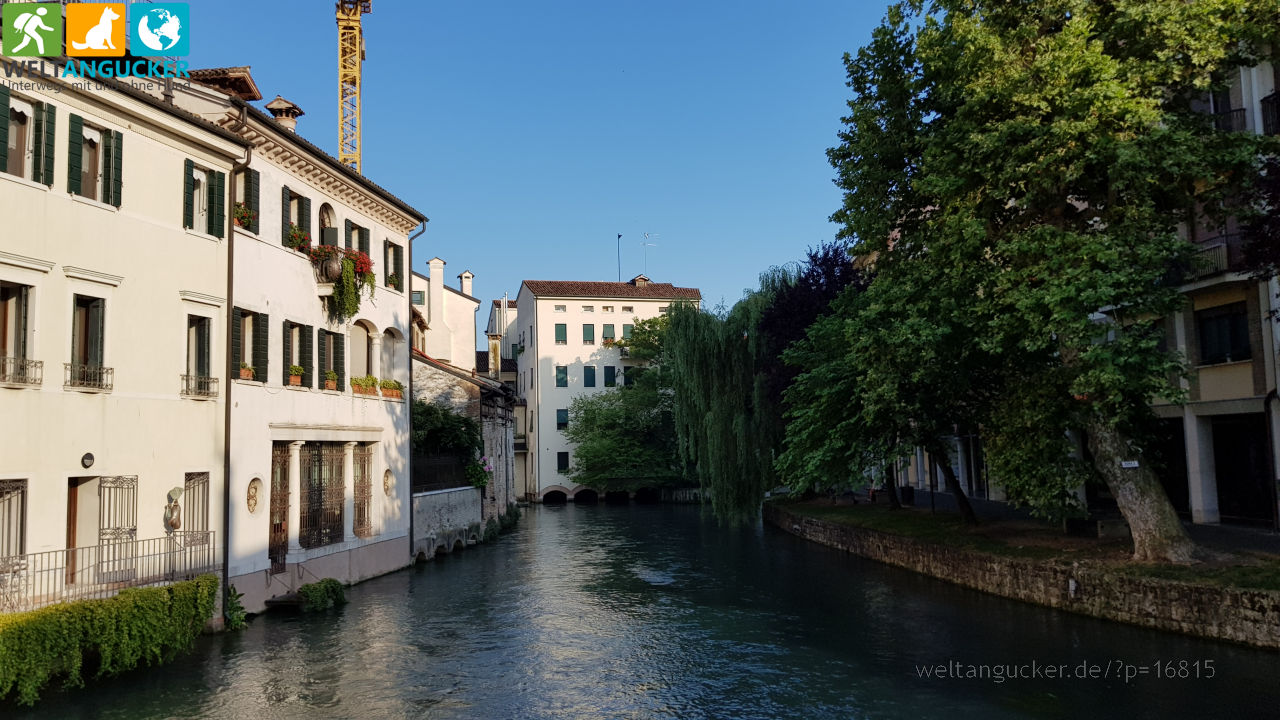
(30, 25)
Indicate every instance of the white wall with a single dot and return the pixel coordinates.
(451, 331)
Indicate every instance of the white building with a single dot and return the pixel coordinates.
(450, 314)
(564, 334)
(319, 473)
(113, 315)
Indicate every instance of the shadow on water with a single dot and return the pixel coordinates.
(655, 611)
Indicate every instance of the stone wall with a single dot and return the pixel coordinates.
(444, 518)
(440, 388)
(1251, 617)
(499, 447)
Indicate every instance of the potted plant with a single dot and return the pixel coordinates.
(330, 380)
(367, 385)
(392, 389)
(246, 371)
(394, 281)
(295, 374)
(242, 215)
(351, 273)
(298, 239)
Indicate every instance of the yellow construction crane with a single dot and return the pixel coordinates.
(350, 57)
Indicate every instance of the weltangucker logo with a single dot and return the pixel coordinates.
(96, 38)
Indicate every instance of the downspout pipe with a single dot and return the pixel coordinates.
(226, 401)
(408, 285)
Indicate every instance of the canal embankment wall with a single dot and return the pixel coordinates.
(1250, 617)
(444, 520)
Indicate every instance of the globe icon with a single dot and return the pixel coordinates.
(159, 29)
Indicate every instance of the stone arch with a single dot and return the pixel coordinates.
(617, 497)
(565, 494)
(585, 496)
(328, 219)
(554, 497)
(393, 363)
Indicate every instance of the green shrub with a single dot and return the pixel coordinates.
(491, 530)
(233, 610)
(507, 521)
(138, 625)
(322, 595)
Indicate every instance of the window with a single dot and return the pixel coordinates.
(562, 419)
(610, 376)
(626, 331)
(515, 350)
(195, 503)
(13, 517)
(1224, 334)
(589, 376)
(248, 194)
(607, 333)
(606, 308)
(588, 308)
(393, 264)
(328, 225)
(331, 355)
(562, 376)
(88, 322)
(295, 211)
(297, 349)
(15, 313)
(588, 334)
(562, 334)
(562, 462)
(197, 380)
(94, 162)
(202, 200)
(360, 234)
(362, 467)
(417, 297)
(663, 310)
(628, 308)
(560, 308)
(249, 334)
(26, 138)
(322, 491)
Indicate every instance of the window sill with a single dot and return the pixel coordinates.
(20, 385)
(25, 182)
(83, 389)
(201, 398)
(244, 231)
(252, 383)
(94, 203)
(298, 388)
(203, 236)
(1225, 363)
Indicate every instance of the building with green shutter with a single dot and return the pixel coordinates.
(113, 319)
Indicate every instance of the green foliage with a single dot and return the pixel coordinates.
(322, 595)
(478, 472)
(296, 370)
(391, 385)
(233, 612)
(491, 530)
(507, 521)
(137, 626)
(440, 431)
(647, 338)
(344, 303)
(364, 382)
(624, 438)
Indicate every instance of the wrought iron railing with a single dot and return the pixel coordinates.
(38, 579)
(21, 370)
(362, 468)
(1271, 114)
(88, 376)
(1220, 254)
(1230, 120)
(438, 472)
(199, 386)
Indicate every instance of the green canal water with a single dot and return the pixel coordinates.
(656, 612)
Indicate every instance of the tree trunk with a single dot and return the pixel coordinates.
(891, 488)
(943, 461)
(1157, 531)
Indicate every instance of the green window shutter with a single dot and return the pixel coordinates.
(626, 332)
(364, 240)
(20, 314)
(607, 332)
(252, 198)
(304, 208)
(237, 344)
(217, 203)
(346, 243)
(386, 263)
(188, 194)
(562, 376)
(4, 128)
(610, 376)
(261, 334)
(398, 263)
(340, 359)
(286, 343)
(46, 124)
(588, 334)
(202, 347)
(304, 354)
(562, 419)
(75, 149)
(97, 327)
(329, 236)
(116, 180)
(562, 333)
(285, 220)
(589, 376)
(323, 353)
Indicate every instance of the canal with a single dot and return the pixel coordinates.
(655, 612)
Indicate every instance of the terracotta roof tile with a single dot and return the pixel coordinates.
(583, 288)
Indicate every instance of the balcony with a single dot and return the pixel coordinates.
(1271, 114)
(21, 371)
(88, 377)
(33, 581)
(1230, 120)
(199, 386)
(1221, 254)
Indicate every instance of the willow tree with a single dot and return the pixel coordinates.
(1057, 154)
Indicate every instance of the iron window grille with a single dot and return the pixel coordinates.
(322, 490)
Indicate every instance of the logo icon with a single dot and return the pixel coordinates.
(95, 29)
(160, 29)
(32, 29)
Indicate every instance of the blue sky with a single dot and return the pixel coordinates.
(532, 133)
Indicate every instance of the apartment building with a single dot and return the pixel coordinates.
(565, 338)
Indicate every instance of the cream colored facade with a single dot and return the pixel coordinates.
(113, 317)
(450, 314)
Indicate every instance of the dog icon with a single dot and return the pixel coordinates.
(99, 36)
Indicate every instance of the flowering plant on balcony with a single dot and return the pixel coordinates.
(393, 280)
(478, 472)
(242, 215)
(356, 274)
(298, 239)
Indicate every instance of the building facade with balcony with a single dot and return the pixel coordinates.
(319, 461)
(113, 319)
(565, 333)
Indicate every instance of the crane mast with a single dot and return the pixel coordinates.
(350, 58)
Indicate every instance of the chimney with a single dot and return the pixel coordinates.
(435, 293)
(285, 113)
(495, 355)
(464, 282)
